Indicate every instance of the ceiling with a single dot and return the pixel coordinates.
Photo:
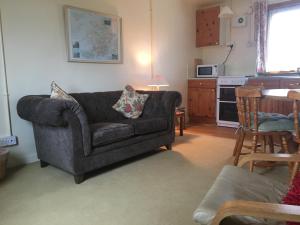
(203, 2)
(207, 2)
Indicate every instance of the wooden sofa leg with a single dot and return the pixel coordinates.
(43, 164)
(169, 146)
(79, 178)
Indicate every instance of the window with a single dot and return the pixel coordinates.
(284, 38)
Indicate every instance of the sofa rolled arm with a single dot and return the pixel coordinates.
(50, 112)
(171, 99)
(44, 110)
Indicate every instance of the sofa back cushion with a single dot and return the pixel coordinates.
(154, 105)
(98, 105)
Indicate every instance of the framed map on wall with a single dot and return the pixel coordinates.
(92, 36)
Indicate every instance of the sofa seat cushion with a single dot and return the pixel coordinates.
(147, 126)
(106, 133)
(234, 183)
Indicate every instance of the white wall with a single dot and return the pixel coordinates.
(4, 113)
(36, 52)
(242, 60)
(174, 40)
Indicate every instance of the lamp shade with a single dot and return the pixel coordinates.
(158, 81)
(226, 12)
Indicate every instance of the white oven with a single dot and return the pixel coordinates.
(227, 115)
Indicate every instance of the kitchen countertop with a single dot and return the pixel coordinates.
(213, 78)
(275, 77)
(261, 77)
(203, 78)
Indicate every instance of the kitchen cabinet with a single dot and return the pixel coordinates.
(266, 83)
(291, 83)
(207, 27)
(277, 106)
(202, 100)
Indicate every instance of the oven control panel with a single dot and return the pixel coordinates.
(232, 80)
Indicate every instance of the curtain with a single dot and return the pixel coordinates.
(261, 29)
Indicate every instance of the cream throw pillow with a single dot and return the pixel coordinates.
(59, 93)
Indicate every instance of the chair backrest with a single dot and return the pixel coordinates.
(295, 96)
(248, 101)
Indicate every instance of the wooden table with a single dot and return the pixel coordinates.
(181, 116)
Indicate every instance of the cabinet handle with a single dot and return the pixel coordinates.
(261, 84)
(297, 84)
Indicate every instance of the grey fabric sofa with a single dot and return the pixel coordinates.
(79, 138)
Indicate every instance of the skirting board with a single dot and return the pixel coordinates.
(12, 162)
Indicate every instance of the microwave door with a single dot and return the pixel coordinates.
(205, 71)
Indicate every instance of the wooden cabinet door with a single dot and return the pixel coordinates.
(207, 27)
(202, 100)
(206, 102)
(288, 83)
(213, 103)
(274, 83)
(193, 103)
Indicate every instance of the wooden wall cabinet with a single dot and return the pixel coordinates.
(276, 106)
(202, 100)
(207, 27)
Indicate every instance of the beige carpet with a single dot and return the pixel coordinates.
(160, 189)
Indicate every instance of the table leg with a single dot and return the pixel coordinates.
(181, 125)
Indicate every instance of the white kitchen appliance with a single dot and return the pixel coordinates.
(227, 115)
(214, 70)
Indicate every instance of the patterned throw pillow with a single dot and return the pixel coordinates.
(131, 103)
(57, 92)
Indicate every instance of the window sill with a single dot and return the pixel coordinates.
(285, 74)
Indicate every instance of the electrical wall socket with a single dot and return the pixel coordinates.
(8, 141)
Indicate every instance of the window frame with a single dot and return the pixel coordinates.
(273, 7)
(282, 5)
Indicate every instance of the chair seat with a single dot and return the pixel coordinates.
(234, 183)
(291, 116)
(271, 116)
(268, 122)
(106, 133)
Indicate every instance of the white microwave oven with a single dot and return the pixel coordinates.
(210, 70)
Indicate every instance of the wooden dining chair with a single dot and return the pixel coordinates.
(258, 124)
(295, 96)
